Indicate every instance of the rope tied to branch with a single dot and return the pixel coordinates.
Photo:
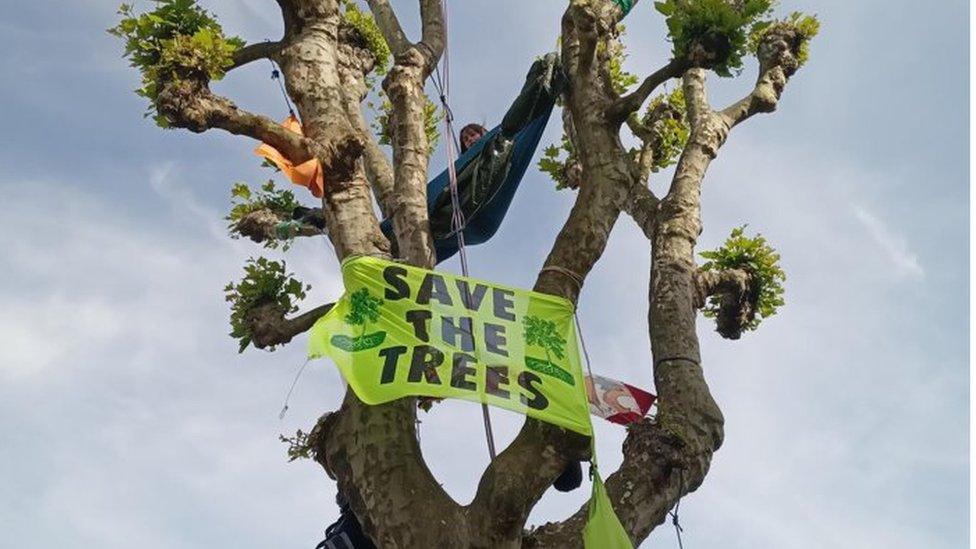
(674, 512)
(276, 76)
(574, 277)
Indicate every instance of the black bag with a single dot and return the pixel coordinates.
(345, 533)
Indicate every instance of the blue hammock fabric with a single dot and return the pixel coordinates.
(484, 223)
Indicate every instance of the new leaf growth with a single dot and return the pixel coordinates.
(265, 284)
(177, 40)
(761, 261)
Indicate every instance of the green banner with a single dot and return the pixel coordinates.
(404, 331)
(603, 529)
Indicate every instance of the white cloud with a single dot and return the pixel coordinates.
(39, 334)
(129, 415)
(893, 246)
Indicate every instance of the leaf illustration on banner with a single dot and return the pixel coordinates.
(364, 308)
(543, 333)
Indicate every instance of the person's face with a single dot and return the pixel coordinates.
(470, 136)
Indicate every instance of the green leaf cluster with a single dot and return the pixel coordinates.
(542, 332)
(366, 26)
(265, 282)
(268, 197)
(669, 126)
(554, 163)
(756, 256)
(804, 28)
(178, 39)
(299, 446)
(615, 54)
(712, 33)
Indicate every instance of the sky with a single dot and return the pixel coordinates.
(128, 418)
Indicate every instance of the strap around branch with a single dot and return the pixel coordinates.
(574, 277)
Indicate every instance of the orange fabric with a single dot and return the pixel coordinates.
(307, 174)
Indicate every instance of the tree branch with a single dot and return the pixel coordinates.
(355, 63)
(405, 88)
(253, 52)
(668, 457)
(584, 24)
(191, 105)
(269, 327)
(641, 205)
(737, 296)
(509, 488)
(763, 98)
(433, 37)
(623, 107)
(262, 225)
(778, 61)
(696, 100)
(389, 25)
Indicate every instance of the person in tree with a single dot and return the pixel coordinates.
(471, 134)
(490, 168)
(492, 163)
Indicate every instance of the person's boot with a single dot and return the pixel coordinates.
(570, 479)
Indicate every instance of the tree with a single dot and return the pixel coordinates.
(330, 56)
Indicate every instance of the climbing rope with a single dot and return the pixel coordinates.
(276, 76)
(586, 355)
(674, 513)
(442, 84)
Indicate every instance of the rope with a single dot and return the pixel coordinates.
(284, 409)
(442, 82)
(674, 514)
(586, 354)
(276, 76)
(577, 279)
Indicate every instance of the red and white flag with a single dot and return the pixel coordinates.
(617, 401)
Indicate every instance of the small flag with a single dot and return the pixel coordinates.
(617, 401)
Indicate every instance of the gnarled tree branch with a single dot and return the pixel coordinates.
(190, 104)
(623, 107)
(269, 327)
(641, 205)
(404, 86)
(432, 39)
(263, 225)
(737, 296)
(777, 63)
